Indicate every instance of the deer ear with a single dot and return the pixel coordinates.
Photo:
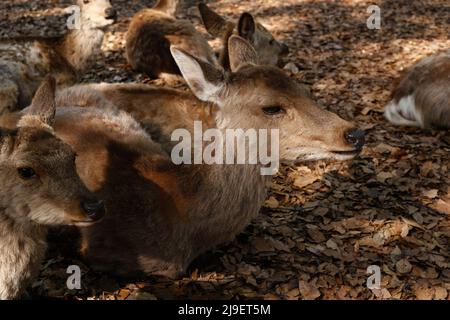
(204, 79)
(241, 52)
(43, 105)
(214, 23)
(247, 26)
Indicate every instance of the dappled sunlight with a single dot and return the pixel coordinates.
(323, 222)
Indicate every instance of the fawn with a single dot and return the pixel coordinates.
(160, 215)
(25, 62)
(422, 97)
(40, 187)
(268, 49)
(151, 33)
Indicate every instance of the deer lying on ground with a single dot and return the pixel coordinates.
(422, 97)
(268, 49)
(151, 33)
(25, 62)
(40, 187)
(160, 215)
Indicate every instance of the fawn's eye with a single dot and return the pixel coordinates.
(85, 1)
(26, 173)
(273, 110)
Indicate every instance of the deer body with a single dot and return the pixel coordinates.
(161, 215)
(39, 187)
(25, 62)
(218, 205)
(422, 97)
(151, 33)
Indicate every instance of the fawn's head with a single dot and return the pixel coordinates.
(268, 48)
(263, 97)
(37, 170)
(96, 13)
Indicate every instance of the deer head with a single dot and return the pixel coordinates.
(37, 169)
(268, 48)
(263, 97)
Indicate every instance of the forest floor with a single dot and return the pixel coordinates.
(323, 223)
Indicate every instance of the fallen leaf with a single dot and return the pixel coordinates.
(308, 290)
(431, 194)
(272, 203)
(403, 266)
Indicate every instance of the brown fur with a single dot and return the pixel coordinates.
(428, 83)
(25, 62)
(268, 49)
(52, 196)
(151, 33)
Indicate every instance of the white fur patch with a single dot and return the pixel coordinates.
(403, 113)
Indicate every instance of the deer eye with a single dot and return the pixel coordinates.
(26, 173)
(85, 1)
(273, 110)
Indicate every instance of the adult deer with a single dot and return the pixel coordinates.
(161, 215)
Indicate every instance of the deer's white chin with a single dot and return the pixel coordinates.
(320, 154)
(82, 224)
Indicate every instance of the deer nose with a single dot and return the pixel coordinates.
(110, 13)
(95, 209)
(355, 137)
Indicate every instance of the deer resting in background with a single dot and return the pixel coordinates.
(269, 50)
(151, 33)
(422, 97)
(25, 62)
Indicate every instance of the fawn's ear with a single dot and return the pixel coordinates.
(204, 79)
(241, 52)
(43, 105)
(247, 27)
(214, 23)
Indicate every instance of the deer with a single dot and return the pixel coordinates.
(151, 33)
(24, 62)
(422, 96)
(40, 187)
(268, 48)
(162, 215)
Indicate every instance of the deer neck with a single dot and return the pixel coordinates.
(236, 190)
(80, 46)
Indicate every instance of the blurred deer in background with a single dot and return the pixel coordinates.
(151, 33)
(25, 62)
(268, 49)
(422, 97)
